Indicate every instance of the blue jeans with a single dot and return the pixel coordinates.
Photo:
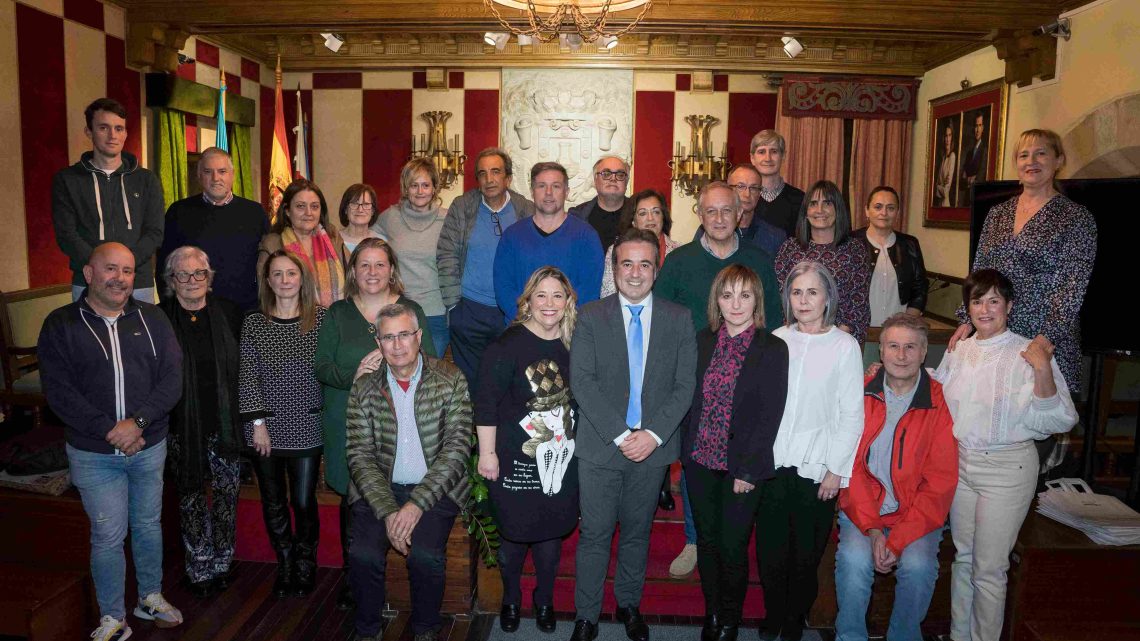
(855, 572)
(687, 509)
(120, 492)
(440, 338)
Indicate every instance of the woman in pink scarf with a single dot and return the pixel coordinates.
(302, 228)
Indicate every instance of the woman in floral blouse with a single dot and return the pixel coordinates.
(727, 447)
(823, 235)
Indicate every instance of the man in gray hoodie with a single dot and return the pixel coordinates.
(108, 197)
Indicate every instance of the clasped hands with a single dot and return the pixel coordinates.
(126, 437)
(399, 526)
(885, 560)
(638, 445)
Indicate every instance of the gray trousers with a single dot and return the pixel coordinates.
(625, 494)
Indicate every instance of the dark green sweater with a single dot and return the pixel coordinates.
(689, 270)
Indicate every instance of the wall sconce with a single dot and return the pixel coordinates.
(792, 47)
(692, 171)
(449, 164)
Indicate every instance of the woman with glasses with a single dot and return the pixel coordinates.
(281, 410)
(347, 349)
(650, 213)
(203, 426)
(823, 235)
(525, 421)
(358, 213)
(302, 228)
(413, 226)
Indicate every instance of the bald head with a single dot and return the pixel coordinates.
(110, 275)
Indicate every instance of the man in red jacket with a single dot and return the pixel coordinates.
(895, 508)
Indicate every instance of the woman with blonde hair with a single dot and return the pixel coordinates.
(728, 438)
(347, 349)
(524, 415)
(413, 226)
(280, 406)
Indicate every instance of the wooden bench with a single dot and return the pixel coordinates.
(43, 605)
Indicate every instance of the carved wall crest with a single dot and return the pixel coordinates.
(877, 98)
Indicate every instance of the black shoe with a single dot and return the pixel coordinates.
(792, 631)
(635, 626)
(544, 618)
(223, 581)
(584, 631)
(768, 632)
(201, 589)
(665, 500)
(711, 629)
(728, 632)
(509, 617)
(283, 585)
(344, 600)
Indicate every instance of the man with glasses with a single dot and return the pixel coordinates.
(779, 202)
(611, 177)
(551, 237)
(748, 183)
(409, 476)
(466, 254)
(225, 226)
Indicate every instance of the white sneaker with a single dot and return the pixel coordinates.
(685, 563)
(156, 608)
(112, 629)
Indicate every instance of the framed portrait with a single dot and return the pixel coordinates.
(967, 133)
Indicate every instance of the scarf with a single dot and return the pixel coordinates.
(325, 263)
(191, 465)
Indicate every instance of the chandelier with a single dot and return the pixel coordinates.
(699, 167)
(547, 19)
(449, 164)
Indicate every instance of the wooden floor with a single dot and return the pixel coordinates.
(248, 611)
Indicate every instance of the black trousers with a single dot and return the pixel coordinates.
(792, 527)
(546, 555)
(290, 481)
(724, 523)
(208, 515)
(427, 562)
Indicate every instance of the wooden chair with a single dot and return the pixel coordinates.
(22, 313)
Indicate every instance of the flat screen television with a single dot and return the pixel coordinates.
(1108, 315)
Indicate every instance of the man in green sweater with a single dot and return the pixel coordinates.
(689, 270)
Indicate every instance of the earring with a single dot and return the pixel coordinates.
(391, 280)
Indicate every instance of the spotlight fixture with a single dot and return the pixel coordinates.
(525, 41)
(792, 47)
(498, 40)
(608, 42)
(333, 42)
(572, 40)
(1062, 28)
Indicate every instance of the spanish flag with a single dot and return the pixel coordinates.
(279, 174)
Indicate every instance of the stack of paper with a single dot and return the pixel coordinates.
(1105, 519)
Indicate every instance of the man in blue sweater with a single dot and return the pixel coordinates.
(112, 370)
(550, 237)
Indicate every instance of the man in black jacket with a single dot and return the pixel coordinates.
(111, 369)
(107, 197)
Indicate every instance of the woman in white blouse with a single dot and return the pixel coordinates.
(814, 450)
(1004, 391)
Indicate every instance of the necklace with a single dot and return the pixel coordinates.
(194, 313)
(404, 219)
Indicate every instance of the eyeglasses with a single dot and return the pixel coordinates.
(361, 206)
(606, 174)
(498, 225)
(402, 337)
(752, 189)
(198, 275)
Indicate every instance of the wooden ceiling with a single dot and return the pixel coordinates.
(894, 37)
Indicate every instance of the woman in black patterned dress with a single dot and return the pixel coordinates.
(1045, 244)
(281, 406)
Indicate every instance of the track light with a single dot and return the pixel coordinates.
(608, 42)
(792, 47)
(333, 42)
(572, 40)
(497, 39)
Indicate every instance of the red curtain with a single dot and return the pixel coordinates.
(879, 156)
(814, 149)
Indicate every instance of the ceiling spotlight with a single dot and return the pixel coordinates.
(792, 47)
(333, 42)
(525, 41)
(608, 42)
(498, 40)
(572, 40)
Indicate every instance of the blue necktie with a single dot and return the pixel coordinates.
(636, 365)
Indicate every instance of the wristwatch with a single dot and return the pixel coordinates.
(258, 422)
(141, 422)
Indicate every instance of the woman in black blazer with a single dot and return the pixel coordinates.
(901, 271)
(729, 434)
